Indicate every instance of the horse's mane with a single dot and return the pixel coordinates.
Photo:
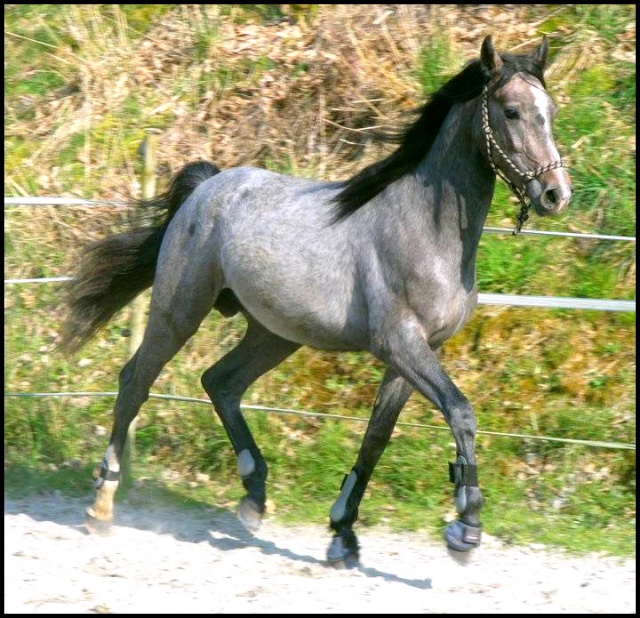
(415, 140)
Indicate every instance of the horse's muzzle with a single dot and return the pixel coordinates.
(550, 193)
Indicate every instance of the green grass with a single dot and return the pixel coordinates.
(434, 64)
(410, 490)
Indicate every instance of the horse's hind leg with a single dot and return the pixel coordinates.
(392, 395)
(163, 338)
(225, 382)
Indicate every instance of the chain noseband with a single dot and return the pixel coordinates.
(525, 177)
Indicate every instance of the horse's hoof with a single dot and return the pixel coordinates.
(250, 514)
(344, 565)
(462, 537)
(344, 551)
(95, 525)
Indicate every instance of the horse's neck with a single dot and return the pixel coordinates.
(460, 182)
(438, 211)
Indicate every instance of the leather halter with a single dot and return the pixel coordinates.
(525, 176)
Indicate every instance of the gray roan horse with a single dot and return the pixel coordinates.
(384, 262)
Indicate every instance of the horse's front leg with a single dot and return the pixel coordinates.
(407, 350)
(392, 395)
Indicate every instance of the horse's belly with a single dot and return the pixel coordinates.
(320, 322)
(300, 284)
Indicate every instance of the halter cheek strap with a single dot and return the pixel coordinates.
(525, 177)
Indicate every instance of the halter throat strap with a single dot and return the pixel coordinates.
(525, 176)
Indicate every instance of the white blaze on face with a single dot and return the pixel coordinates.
(542, 104)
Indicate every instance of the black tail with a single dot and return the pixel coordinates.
(114, 270)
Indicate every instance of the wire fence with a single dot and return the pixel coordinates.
(357, 419)
(483, 298)
(74, 201)
(514, 300)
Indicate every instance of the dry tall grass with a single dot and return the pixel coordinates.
(296, 95)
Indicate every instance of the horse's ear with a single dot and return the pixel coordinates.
(490, 57)
(541, 54)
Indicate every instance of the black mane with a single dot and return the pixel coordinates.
(416, 140)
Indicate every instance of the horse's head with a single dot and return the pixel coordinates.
(517, 118)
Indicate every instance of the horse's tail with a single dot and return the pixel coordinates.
(114, 270)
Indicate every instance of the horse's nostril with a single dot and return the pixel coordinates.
(552, 196)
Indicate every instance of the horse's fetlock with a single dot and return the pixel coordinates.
(475, 499)
(253, 471)
(464, 476)
(102, 473)
(246, 463)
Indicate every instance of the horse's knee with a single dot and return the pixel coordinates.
(461, 418)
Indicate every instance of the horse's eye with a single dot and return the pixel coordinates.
(511, 113)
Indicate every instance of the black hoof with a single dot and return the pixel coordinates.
(462, 537)
(250, 514)
(95, 525)
(344, 550)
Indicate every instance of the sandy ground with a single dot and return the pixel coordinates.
(168, 560)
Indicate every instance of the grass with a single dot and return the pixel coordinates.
(74, 117)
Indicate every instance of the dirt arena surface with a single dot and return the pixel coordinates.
(170, 560)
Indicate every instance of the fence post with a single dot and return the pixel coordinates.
(138, 306)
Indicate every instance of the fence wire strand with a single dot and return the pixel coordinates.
(590, 443)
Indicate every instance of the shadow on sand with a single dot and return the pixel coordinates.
(158, 509)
